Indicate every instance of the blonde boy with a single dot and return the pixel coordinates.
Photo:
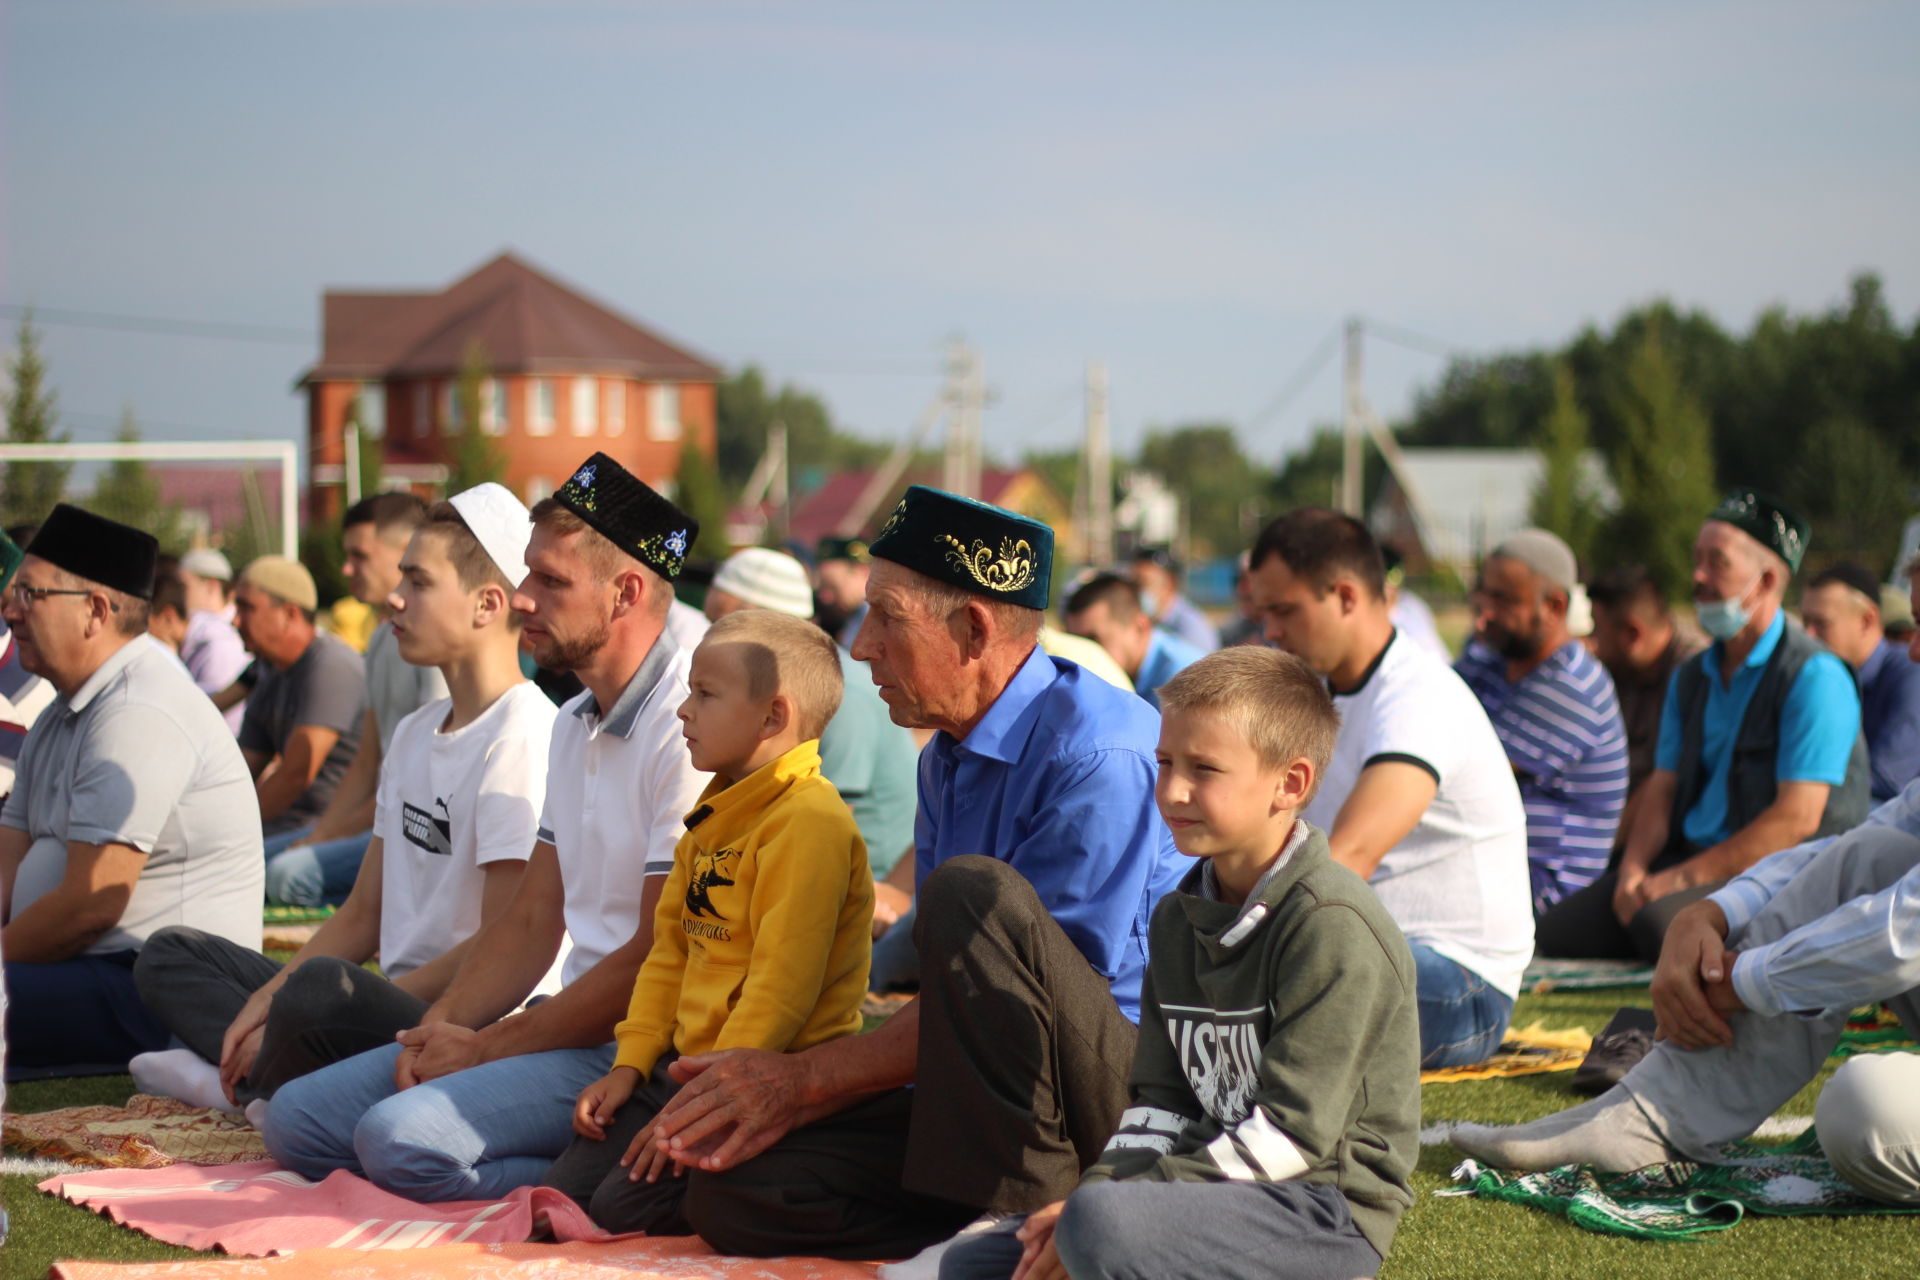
(1275, 1096)
(763, 932)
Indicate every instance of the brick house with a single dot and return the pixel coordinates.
(568, 376)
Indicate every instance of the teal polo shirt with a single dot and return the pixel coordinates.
(1818, 725)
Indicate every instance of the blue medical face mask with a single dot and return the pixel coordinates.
(1723, 619)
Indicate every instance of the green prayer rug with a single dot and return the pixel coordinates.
(277, 913)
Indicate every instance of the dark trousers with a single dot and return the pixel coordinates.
(590, 1171)
(1022, 1076)
(76, 1017)
(328, 1011)
(1582, 926)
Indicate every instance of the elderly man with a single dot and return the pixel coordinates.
(1107, 610)
(1159, 577)
(1637, 639)
(1841, 609)
(303, 718)
(1032, 955)
(1760, 745)
(1753, 990)
(1419, 799)
(132, 810)
(478, 1099)
(1552, 705)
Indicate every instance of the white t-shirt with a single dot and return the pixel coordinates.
(618, 789)
(449, 804)
(1458, 881)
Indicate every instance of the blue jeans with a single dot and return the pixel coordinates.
(1462, 1019)
(313, 875)
(473, 1135)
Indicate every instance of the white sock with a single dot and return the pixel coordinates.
(182, 1074)
(257, 1114)
(925, 1265)
(1613, 1133)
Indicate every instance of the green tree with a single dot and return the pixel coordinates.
(29, 490)
(130, 493)
(1564, 503)
(1663, 467)
(474, 457)
(746, 409)
(371, 448)
(1220, 488)
(699, 493)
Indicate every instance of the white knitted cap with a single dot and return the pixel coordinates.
(767, 579)
(502, 524)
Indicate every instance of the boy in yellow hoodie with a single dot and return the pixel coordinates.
(764, 928)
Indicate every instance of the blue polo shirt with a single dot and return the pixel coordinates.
(1167, 656)
(1561, 727)
(1890, 717)
(1818, 724)
(1057, 781)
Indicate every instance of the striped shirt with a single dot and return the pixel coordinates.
(1563, 734)
(23, 696)
(1866, 950)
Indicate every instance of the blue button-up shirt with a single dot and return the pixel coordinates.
(1167, 656)
(1890, 717)
(1056, 780)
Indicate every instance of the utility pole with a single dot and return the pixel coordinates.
(1353, 419)
(1093, 502)
(966, 379)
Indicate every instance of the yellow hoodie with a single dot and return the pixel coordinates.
(765, 927)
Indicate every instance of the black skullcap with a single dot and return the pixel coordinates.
(1778, 527)
(98, 549)
(987, 550)
(619, 505)
(836, 548)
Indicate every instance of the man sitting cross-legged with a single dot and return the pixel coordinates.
(473, 1103)
(762, 935)
(455, 816)
(1032, 954)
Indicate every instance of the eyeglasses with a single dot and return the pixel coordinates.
(24, 596)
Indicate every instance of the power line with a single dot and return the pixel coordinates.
(1306, 373)
(1411, 340)
(279, 335)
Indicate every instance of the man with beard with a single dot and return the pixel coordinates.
(840, 569)
(478, 1099)
(1553, 707)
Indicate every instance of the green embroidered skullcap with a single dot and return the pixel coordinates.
(10, 558)
(987, 550)
(854, 549)
(1778, 527)
(621, 506)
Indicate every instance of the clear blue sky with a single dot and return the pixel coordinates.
(1196, 193)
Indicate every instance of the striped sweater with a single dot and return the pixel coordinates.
(1278, 1040)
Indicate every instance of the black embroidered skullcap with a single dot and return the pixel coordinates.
(854, 549)
(634, 518)
(10, 557)
(987, 550)
(98, 549)
(1778, 527)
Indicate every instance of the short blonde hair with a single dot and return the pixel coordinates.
(1272, 698)
(786, 655)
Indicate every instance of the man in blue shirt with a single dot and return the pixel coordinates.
(1106, 610)
(1158, 575)
(1759, 748)
(1553, 706)
(1040, 857)
(1841, 609)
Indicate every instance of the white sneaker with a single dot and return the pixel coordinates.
(925, 1265)
(182, 1074)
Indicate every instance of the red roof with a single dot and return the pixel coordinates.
(527, 322)
(820, 512)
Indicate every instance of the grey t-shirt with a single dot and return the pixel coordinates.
(326, 687)
(395, 687)
(138, 756)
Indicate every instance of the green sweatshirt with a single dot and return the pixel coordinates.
(1278, 1040)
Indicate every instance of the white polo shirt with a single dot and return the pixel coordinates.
(618, 788)
(1458, 882)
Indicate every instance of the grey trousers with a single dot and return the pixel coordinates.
(1868, 1117)
(329, 1010)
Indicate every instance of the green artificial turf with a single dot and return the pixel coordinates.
(1449, 1238)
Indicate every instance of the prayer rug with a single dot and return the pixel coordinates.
(1544, 975)
(1528, 1051)
(1682, 1200)
(147, 1133)
(281, 913)
(624, 1258)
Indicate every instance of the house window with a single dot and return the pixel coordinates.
(493, 407)
(370, 408)
(422, 410)
(538, 487)
(450, 408)
(540, 422)
(585, 406)
(613, 407)
(664, 420)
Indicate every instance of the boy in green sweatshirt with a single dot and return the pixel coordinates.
(764, 929)
(1275, 1089)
